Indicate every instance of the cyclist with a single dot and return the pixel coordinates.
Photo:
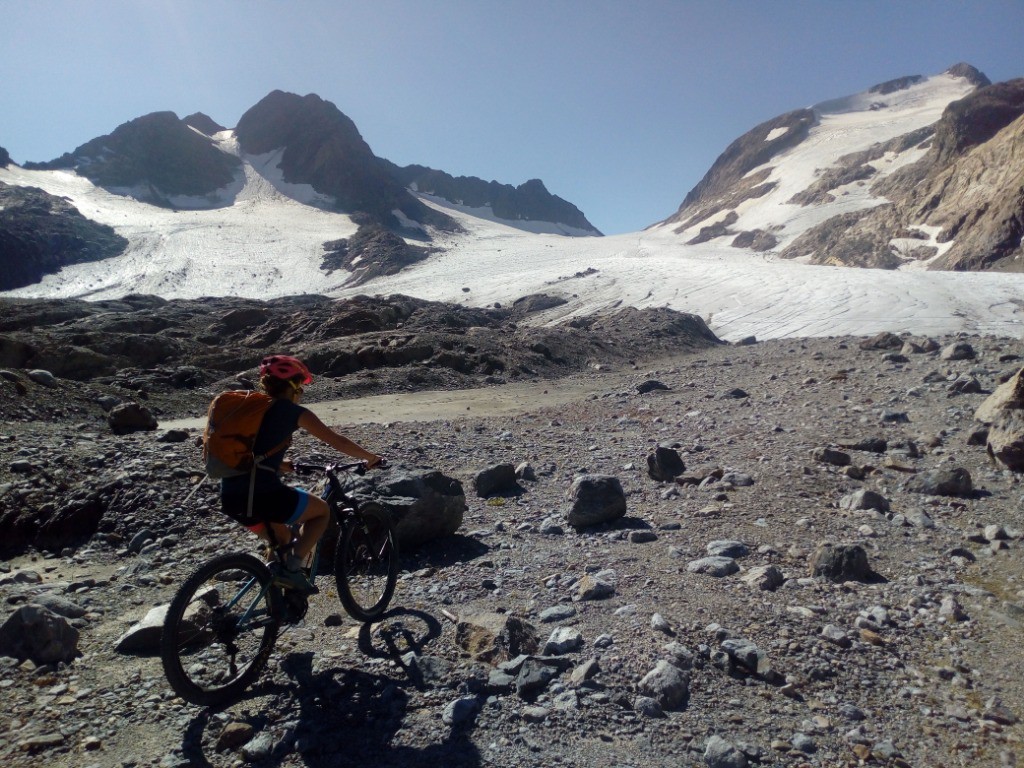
(276, 505)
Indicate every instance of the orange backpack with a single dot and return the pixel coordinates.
(232, 423)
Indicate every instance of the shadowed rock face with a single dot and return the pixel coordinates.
(976, 118)
(323, 148)
(530, 201)
(157, 152)
(726, 179)
(40, 233)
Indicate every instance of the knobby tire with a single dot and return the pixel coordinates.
(212, 650)
(366, 563)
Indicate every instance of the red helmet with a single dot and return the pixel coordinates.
(285, 367)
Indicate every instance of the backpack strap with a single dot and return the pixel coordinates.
(257, 463)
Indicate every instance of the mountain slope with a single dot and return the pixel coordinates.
(915, 171)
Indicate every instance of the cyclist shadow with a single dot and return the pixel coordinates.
(336, 716)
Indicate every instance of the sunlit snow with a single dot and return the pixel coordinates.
(267, 241)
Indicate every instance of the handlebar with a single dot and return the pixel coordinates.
(356, 467)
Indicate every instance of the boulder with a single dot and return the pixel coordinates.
(767, 578)
(143, 636)
(864, 499)
(130, 417)
(425, 505)
(959, 350)
(719, 753)
(842, 562)
(595, 499)
(650, 385)
(714, 565)
(1008, 396)
(44, 378)
(496, 479)
(885, 340)
(727, 548)
(667, 684)
(942, 482)
(37, 633)
(665, 464)
(1005, 442)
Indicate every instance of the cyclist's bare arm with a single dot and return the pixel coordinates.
(310, 422)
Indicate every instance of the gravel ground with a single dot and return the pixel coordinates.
(914, 665)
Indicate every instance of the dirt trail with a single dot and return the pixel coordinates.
(498, 400)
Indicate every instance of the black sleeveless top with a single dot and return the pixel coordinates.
(279, 423)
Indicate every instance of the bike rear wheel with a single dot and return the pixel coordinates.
(366, 563)
(220, 629)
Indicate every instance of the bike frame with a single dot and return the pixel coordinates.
(342, 508)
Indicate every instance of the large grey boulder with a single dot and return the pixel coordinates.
(942, 482)
(595, 499)
(719, 753)
(864, 498)
(37, 633)
(841, 562)
(666, 684)
(959, 350)
(500, 478)
(424, 505)
(1003, 410)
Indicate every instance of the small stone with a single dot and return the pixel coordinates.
(836, 635)
(234, 734)
(714, 566)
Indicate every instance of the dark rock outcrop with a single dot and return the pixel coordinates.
(155, 156)
(40, 234)
(530, 201)
(372, 252)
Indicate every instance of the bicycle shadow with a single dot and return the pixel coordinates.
(336, 716)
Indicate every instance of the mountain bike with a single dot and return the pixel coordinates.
(222, 624)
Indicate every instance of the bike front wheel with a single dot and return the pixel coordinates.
(366, 563)
(220, 629)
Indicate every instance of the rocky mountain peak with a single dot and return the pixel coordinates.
(969, 73)
(322, 147)
(5, 158)
(156, 156)
(283, 120)
(203, 123)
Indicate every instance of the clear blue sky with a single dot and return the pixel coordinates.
(619, 107)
